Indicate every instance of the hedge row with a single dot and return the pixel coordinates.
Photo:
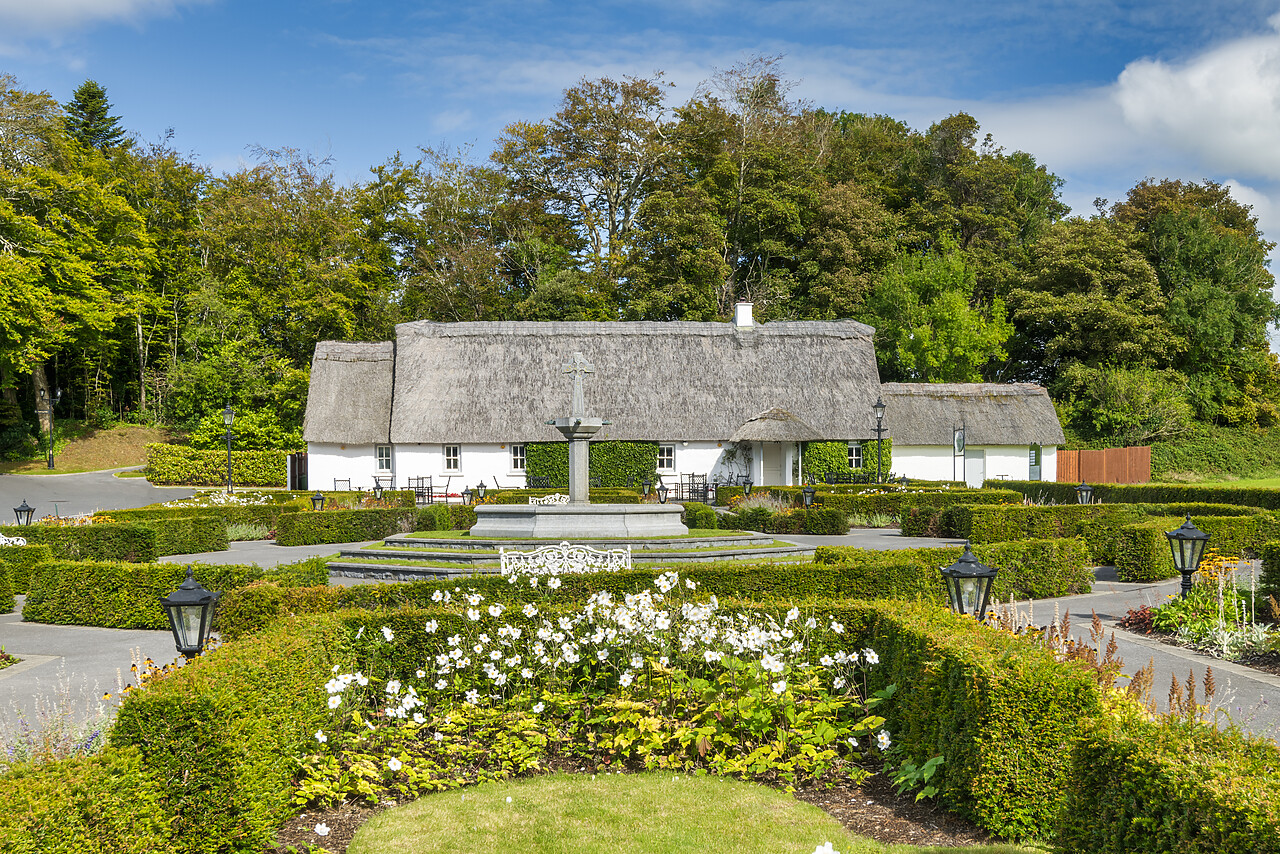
(596, 495)
(1150, 493)
(797, 521)
(105, 541)
(180, 465)
(1150, 787)
(1143, 553)
(615, 463)
(7, 600)
(127, 595)
(1099, 524)
(22, 561)
(896, 503)
(1270, 581)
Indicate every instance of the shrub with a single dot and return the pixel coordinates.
(1270, 582)
(921, 512)
(178, 465)
(1097, 523)
(7, 600)
(821, 521)
(615, 463)
(105, 803)
(1170, 785)
(697, 515)
(1143, 554)
(1152, 493)
(220, 735)
(186, 535)
(100, 541)
(344, 526)
(22, 562)
(127, 595)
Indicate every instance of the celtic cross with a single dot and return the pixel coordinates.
(578, 366)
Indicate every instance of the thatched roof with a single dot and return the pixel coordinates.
(350, 397)
(776, 425)
(992, 414)
(501, 381)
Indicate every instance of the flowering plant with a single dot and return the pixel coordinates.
(654, 679)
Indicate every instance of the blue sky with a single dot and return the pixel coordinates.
(1104, 92)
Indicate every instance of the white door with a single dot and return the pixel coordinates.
(975, 468)
(772, 458)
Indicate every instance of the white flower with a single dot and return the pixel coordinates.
(771, 663)
(792, 615)
(637, 661)
(441, 684)
(811, 623)
(537, 710)
(779, 686)
(602, 654)
(711, 655)
(826, 661)
(825, 848)
(438, 736)
(437, 596)
(418, 718)
(393, 764)
(421, 674)
(321, 737)
(530, 611)
(393, 687)
(691, 584)
(473, 614)
(553, 583)
(322, 829)
(838, 628)
(362, 680)
(838, 683)
(495, 610)
(882, 739)
(473, 697)
(852, 742)
(662, 662)
(431, 626)
(388, 634)
(626, 679)
(869, 655)
(335, 701)
(526, 673)
(508, 799)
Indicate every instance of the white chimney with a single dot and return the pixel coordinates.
(742, 316)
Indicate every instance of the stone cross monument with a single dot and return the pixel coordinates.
(579, 429)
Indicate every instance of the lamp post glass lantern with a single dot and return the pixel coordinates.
(480, 490)
(808, 492)
(23, 511)
(662, 493)
(878, 409)
(466, 495)
(746, 489)
(646, 486)
(377, 490)
(1084, 493)
(969, 584)
(317, 501)
(190, 611)
(1187, 544)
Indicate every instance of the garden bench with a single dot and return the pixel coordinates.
(538, 481)
(12, 541)
(564, 558)
(548, 500)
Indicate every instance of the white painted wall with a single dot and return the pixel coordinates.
(327, 462)
(1003, 462)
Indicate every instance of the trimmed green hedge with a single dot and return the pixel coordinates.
(698, 515)
(22, 562)
(308, 528)
(220, 735)
(1099, 524)
(1270, 581)
(615, 463)
(180, 465)
(1151, 493)
(105, 803)
(7, 600)
(127, 595)
(1143, 553)
(1151, 787)
(596, 495)
(103, 541)
(816, 520)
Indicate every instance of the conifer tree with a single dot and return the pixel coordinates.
(89, 119)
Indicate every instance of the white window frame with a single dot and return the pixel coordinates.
(452, 454)
(519, 459)
(668, 451)
(855, 455)
(383, 461)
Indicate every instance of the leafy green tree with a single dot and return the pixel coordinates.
(1130, 406)
(89, 120)
(927, 327)
(848, 243)
(676, 270)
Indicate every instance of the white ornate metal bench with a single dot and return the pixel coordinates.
(563, 559)
(549, 500)
(12, 541)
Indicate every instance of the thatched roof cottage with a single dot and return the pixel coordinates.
(458, 402)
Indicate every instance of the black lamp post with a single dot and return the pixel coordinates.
(968, 584)
(377, 490)
(190, 610)
(746, 488)
(878, 409)
(662, 493)
(645, 486)
(49, 404)
(1187, 543)
(317, 501)
(466, 495)
(1084, 493)
(23, 511)
(480, 490)
(807, 493)
(228, 418)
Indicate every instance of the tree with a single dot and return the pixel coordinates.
(927, 327)
(1130, 406)
(676, 269)
(848, 243)
(89, 120)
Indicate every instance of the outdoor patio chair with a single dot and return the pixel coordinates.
(343, 485)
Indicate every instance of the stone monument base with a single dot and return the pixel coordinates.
(578, 521)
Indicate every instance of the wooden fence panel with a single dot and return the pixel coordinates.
(1112, 465)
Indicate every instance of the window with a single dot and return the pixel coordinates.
(517, 458)
(383, 455)
(452, 457)
(855, 455)
(666, 458)
(1033, 456)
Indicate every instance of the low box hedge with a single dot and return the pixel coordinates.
(178, 465)
(1097, 523)
(103, 541)
(596, 495)
(816, 520)
(220, 735)
(897, 502)
(118, 595)
(1143, 553)
(308, 528)
(22, 562)
(1149, 787)
(1151, 493)
(7, 600)
(1269, 583)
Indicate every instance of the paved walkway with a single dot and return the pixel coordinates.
(74, 494)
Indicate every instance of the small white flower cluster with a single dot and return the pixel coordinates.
(220, 498)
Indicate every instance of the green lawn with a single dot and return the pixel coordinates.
(658, 813)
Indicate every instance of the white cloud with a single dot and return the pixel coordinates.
(49, 17)
(1221, 107)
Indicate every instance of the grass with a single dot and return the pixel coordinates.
(617, 814)
(81, 448)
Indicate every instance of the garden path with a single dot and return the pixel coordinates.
(76, 494)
